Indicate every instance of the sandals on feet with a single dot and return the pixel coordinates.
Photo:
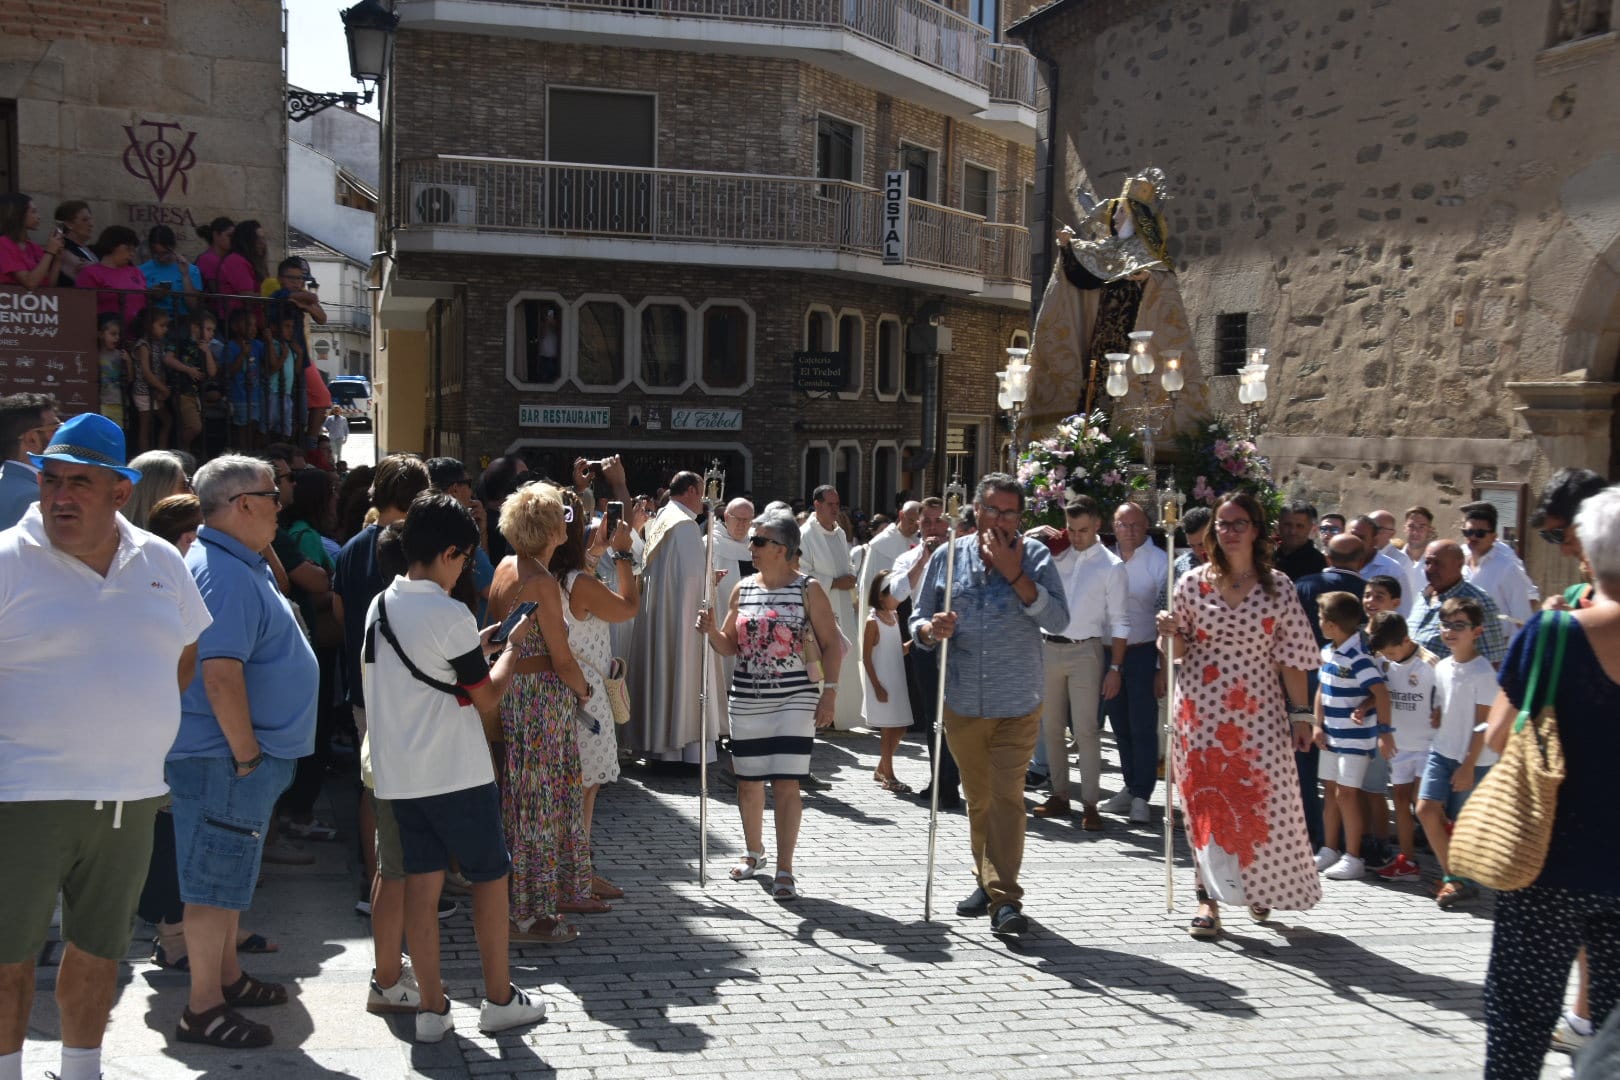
(748, 865)
(257, 943)
(221, 1026)
(784, 887)
(160, 957)
(1205, 927)
(249, 993)
(1259, 914)
(889, 783)
(558, 933)
(603, 889)
(313, 829)
(588, 906)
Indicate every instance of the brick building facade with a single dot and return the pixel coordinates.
(611, 228)
(1415, 215)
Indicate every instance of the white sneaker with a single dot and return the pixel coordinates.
(524, 1008)
(1326, 858)
(402, 997)
(1119, 804)
(1566, 1039)
(1140, 812)
(1348, 868)
(432, 1027)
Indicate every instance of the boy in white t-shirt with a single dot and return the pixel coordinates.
(1409, 673)
(1465, 686)
(427, 687)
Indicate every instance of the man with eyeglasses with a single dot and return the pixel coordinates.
(1133, 712)
(243, 726)
(1005, 592)
(98, 625)
(1494, 568)
(1330, 526)
(27, 422)
(1443, 569)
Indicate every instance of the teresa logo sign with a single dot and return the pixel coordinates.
(562, 416)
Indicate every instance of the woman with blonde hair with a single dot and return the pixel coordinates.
(162, 475)
(542, 797)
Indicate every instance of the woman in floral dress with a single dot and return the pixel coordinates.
(774, 706)
(541, 794)
(1237, 624)
(590, 610)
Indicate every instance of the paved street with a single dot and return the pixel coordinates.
(849, 981)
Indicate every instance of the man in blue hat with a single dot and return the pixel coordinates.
(81, 765)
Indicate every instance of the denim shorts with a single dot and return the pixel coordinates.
(219, 825)
(462, 825)
(1436, 783)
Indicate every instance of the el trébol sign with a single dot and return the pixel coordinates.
(705, 419)
(574, 416)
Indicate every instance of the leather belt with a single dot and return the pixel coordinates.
(1059, 639)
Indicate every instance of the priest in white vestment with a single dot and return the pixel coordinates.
(824, 555)
(666, 656)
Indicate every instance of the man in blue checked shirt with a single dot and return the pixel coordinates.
(1006, 591)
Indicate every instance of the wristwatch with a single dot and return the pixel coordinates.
(623, 556)
(1115, 667)
(251, 763)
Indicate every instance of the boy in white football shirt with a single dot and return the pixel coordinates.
(1409, 673)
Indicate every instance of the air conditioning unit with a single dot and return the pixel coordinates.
(443, 204)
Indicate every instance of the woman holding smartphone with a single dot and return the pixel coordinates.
(23, 262)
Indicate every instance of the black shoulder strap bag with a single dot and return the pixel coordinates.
(416, 673)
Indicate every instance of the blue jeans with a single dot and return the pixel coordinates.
(219, 825)
(1134, 715)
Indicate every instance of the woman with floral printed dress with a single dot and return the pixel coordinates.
(1237, 624)
(775, 707)
(542, 798)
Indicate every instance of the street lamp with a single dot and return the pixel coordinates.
(370, 28)
(1252, 390)
(1150, 416)
(1012, 390)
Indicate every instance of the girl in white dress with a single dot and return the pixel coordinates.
(887, 706)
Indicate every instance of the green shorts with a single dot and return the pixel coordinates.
(72, 848)
(390, 856)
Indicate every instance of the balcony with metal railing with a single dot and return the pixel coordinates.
(1011, 113)
(916, 50)
(474, 205)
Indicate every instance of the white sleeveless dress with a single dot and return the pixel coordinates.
(889, 661)
(590, 639)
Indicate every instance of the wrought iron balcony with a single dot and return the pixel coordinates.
(489, 202)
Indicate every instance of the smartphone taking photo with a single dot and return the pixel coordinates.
(615, 514)
(504, 631)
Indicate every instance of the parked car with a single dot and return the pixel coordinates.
(351, 397)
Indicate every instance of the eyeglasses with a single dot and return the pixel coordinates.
(1459, 627)
(1476, 534)
(1556, 537)
(990, 513)
(283, 477)
(761, 541)
(260, 494)
(1329, 530)
(1236, 525)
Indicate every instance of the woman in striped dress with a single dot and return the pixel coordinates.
(774, 706)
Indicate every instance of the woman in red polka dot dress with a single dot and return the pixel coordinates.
(1237, 624)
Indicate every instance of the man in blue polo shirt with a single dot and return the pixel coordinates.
(243, 726)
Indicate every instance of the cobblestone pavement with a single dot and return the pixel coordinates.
(849, 981)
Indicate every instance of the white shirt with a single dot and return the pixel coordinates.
(1501, 576)
(881, 552)
(1146, 572)
(1411, 699)
(87, 665)
(900, 579)
(824, 554)
(1459, 689)
(1094, 583)
(1382, 564)
(422, 741)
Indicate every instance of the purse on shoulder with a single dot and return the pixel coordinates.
(1505, 827)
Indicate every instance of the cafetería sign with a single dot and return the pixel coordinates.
(820, 372)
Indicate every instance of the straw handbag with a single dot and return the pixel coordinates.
(618, 694)
(1505, 826)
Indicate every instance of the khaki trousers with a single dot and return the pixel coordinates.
(993, 755)
(1073, 693)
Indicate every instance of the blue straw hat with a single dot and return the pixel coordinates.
(88, 439)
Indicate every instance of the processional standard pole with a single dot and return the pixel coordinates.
(714, 484)
(1169, 518)
(954, 495)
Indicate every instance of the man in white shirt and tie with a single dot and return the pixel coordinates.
(1083, 663)
(1133, 712)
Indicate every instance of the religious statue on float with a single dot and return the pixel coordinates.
(1114, 275)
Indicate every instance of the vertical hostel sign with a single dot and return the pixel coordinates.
(48, 346)
(895, 194)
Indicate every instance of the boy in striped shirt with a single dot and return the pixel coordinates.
(1349, 676)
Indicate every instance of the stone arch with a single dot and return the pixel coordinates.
(1576, 279)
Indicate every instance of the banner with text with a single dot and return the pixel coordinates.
(48, 346)
(896, 195)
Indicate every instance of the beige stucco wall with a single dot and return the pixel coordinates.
(210, 67)
(1415, 211)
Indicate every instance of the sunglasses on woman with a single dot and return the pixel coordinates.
(761, 541)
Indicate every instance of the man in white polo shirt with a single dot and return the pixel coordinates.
(1080, 672)
(99, 623)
